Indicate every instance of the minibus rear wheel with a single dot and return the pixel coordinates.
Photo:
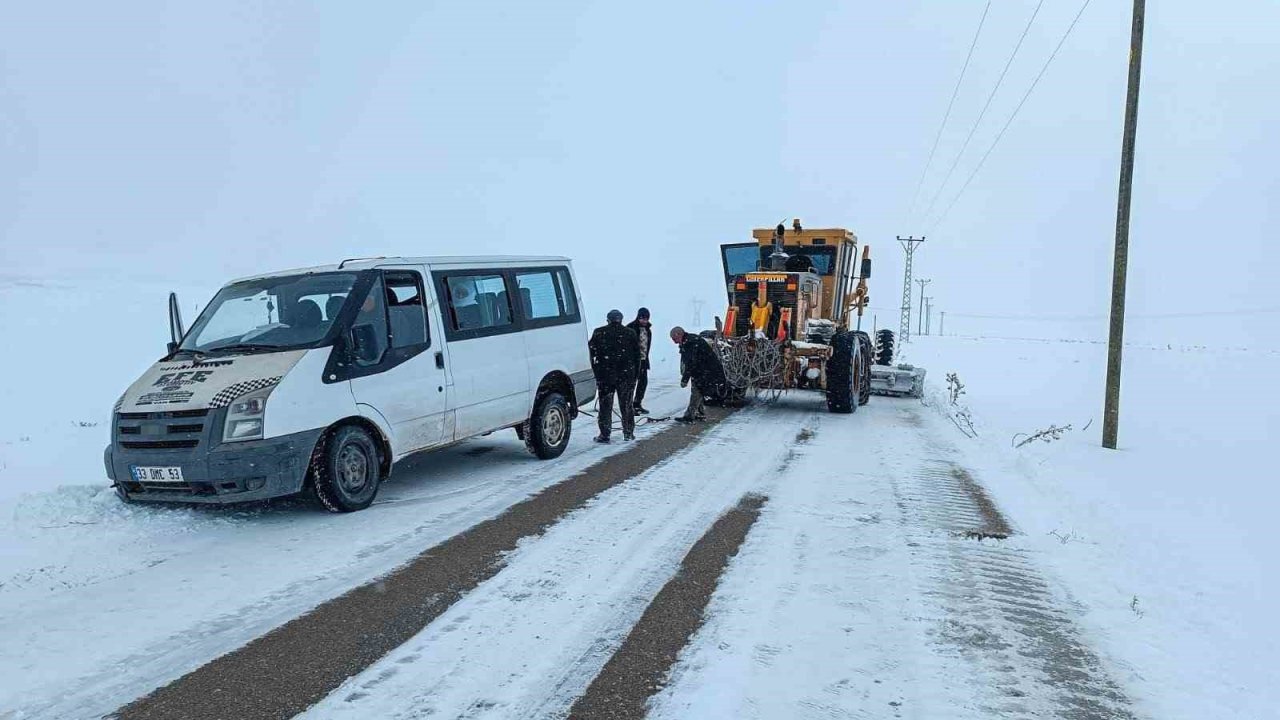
(346, 469)
(547, 432)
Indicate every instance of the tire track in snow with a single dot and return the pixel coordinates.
(298, 663)
(858, 595)
(639, 668)
(527, 642)
(992, 607)
(636, 671)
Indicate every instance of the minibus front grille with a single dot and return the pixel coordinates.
(173, 430)
(159, 444)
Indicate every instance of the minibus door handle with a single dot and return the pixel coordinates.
(440, 359)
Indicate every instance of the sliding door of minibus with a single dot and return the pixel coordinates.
(485, 349)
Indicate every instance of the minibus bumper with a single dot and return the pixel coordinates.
(226, 473)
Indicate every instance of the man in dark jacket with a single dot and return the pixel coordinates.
(645, 333)
(699, 364)
(615, 360)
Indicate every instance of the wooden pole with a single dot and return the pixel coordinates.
(1115, 343)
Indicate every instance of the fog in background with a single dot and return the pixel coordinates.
(147, 145)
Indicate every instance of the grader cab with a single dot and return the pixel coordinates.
(796, 298)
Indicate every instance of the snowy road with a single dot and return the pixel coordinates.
(102, 602)
(862, 590)
(525, 644)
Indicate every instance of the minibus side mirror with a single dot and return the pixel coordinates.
(364, 344)
(176, 328)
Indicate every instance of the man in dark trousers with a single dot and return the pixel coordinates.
(699, 364)
(645, 333)
(615, 360)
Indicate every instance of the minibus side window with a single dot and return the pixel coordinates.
(478, 302)
(564, 284)
(406, 310)
(545, 297)
(538, 296)
(369, 329)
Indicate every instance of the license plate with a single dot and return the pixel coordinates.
(156, 474)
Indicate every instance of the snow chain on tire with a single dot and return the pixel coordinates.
(884, 347)
(840, 398)
(322, 475)
(865, 350)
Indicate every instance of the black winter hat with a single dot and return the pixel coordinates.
(642, 314)
(614, 316)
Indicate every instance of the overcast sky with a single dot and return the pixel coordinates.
(193, 142)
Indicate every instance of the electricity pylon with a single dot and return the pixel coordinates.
(904, 326)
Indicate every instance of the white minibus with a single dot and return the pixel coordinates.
(321, 379)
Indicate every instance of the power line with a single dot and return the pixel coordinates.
(981, 115)
(947, 115)
(1009, 122)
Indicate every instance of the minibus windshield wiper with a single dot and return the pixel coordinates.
(241, 347)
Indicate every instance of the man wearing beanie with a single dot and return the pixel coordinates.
(645, 333)
(615, 360)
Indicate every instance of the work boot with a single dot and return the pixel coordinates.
(683, 418)
(628, 436)
(602, 439)
(641, 411)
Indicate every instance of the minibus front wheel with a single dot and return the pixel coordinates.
(346, 469)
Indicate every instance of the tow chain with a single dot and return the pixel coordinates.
(617, 415)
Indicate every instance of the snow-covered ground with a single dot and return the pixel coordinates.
(1157, 557)
(1181, 518)
(101, 602)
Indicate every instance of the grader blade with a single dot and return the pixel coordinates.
(902, 380)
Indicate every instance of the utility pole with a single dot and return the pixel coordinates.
(928, 314)
(1115, 343)
(920, 321)
(697, 311)
(942, 323)
(904, 324)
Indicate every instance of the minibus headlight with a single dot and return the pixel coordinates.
(244, 416)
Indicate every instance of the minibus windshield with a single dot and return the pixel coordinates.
(272, 313)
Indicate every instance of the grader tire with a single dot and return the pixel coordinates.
(862, 366)
(841, 397)
(884, 347)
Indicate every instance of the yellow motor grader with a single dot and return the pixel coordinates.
(796, 298)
